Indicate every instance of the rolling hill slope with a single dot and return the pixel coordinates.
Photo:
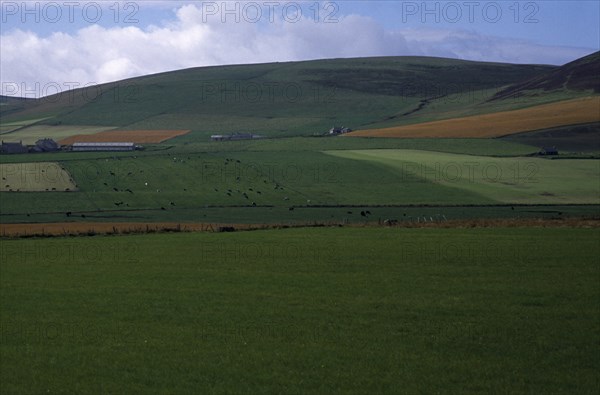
(283, 99)
(505, 123)
(580, 75)
(307, 98)
(10, 105)
(564, 96)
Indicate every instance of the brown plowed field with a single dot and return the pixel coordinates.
(570, 112)
(113, 228)
(125, 136)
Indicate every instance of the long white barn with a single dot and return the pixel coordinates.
(103, 146)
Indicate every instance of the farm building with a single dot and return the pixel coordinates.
(339, 130)
(244, 136)
(218, 137)
(13, 148)
(234, 136)
(104, 147)
(549, 151)
(46, 145)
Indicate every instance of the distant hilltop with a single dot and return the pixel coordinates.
(303, 98)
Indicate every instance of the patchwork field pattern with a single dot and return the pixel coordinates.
(253, 187)
(570, 112)
(506, 180)
(35, 177)
(134, 136)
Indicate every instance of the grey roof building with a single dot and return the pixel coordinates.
(103, 147)
(13, 148)
(46, 145)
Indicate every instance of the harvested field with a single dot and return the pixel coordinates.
(133, 136)
(569, 112)
(113, 228)
(35, 177)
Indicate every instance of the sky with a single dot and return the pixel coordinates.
(53, 46)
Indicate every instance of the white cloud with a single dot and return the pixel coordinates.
(474, 46)
(96, 54)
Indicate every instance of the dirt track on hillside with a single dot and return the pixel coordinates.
(125, 136)
(570, 112)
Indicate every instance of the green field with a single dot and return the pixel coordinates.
(303, 311)
(576, 138)
(294, 180)
(35, 177)
(505, 180)
(31, 134)
(293, 176)
(8, 127)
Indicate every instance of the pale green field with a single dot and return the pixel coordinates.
(7, 127)
(35, 177)
(22, 123)
(507, 180)
(33, 133)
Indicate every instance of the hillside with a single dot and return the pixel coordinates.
(9, 104)
(504, 123)
(10, 100)
(580, 75)
(283, 99)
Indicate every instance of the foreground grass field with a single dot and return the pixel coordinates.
(330, 310)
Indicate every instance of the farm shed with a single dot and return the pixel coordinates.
(103, 147)
(235, 136)
(244, 136)
(13, 148)
(339, 130)
(549, 151)
(218, 137)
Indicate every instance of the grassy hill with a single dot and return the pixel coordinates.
(10, 105)
(579, 75)
(283, 99)
(583, 138)
(10, 100)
